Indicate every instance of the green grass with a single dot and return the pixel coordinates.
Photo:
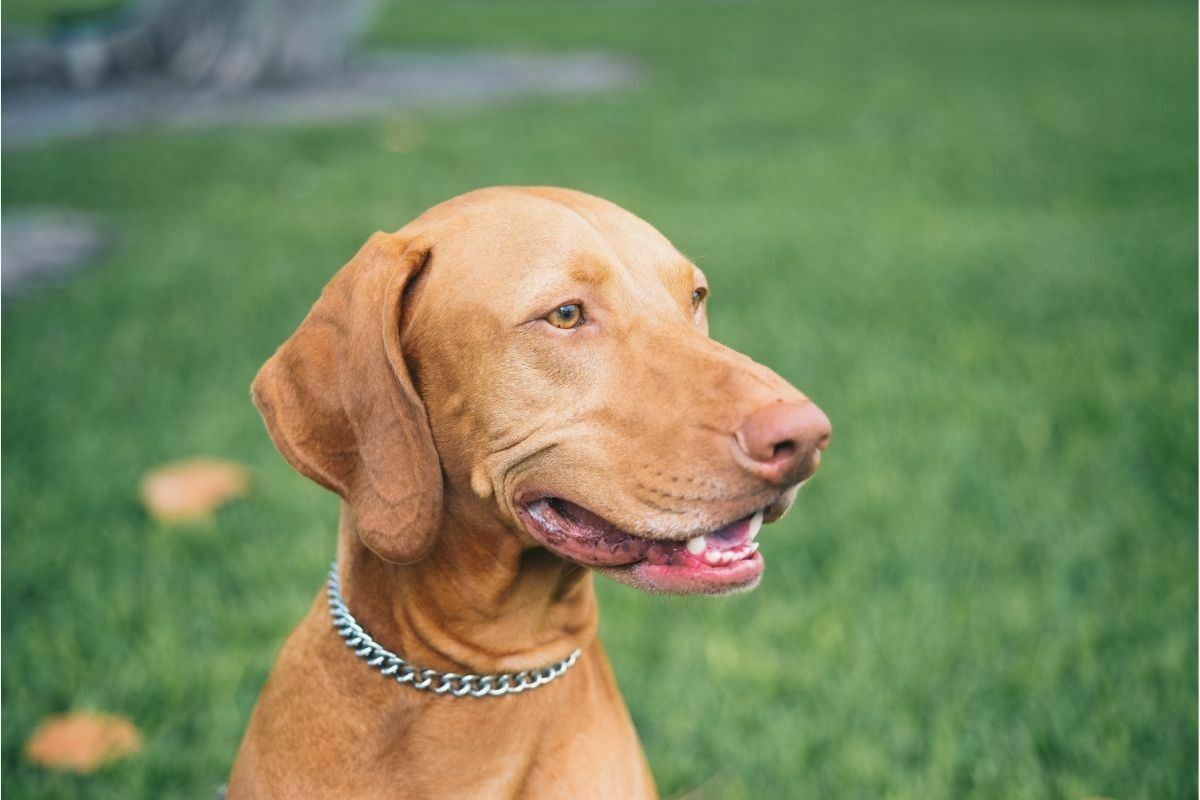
(968, 231)
(55, 15)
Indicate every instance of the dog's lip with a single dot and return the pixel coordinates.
(720, 559)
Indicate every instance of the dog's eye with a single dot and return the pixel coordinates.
(566, 317)
(698, 298)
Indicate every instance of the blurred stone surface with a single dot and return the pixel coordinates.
(40, 247)
(371, 86)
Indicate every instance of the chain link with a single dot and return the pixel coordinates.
(428, 680)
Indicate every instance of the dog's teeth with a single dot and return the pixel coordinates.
(756, 524)
(696, 545)
(712, 557)
(726, 557)
(754, 547)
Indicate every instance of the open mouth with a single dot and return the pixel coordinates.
(722, 560)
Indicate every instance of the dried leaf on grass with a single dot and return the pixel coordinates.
(82, 742)
(189, 491)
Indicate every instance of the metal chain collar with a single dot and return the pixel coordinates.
(429, 680)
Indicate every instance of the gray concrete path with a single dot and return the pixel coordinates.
(375, 86)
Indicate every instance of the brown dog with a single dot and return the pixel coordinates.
(517, 383)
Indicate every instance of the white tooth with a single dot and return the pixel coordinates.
(755, 524)
(712, 557)
(754, 547)
(696, 545)
(726, 557)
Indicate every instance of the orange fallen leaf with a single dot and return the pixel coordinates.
(189, 491)
(82, 742)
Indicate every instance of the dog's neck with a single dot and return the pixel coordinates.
(481, 601)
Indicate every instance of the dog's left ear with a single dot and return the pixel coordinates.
(341, 408)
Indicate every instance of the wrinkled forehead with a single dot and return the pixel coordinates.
(519, 244)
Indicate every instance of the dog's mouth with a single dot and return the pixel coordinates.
(721, 560)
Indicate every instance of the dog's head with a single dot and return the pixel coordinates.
(539, 358)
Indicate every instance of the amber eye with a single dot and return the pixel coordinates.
(698, 298)
(566, 317)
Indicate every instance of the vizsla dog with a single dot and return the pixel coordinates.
(511, 392)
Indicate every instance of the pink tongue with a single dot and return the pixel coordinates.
(604, 535)
(730, 536)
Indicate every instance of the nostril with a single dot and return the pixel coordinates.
(783, 440)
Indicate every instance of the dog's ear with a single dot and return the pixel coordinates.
(341, 408)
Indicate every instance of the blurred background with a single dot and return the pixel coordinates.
(967, 230)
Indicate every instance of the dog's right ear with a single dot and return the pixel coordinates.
(340, 406)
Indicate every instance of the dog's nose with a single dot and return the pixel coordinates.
(783, 441)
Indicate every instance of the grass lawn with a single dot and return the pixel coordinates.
(967, 230)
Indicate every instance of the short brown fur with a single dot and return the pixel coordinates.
(423, 390)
